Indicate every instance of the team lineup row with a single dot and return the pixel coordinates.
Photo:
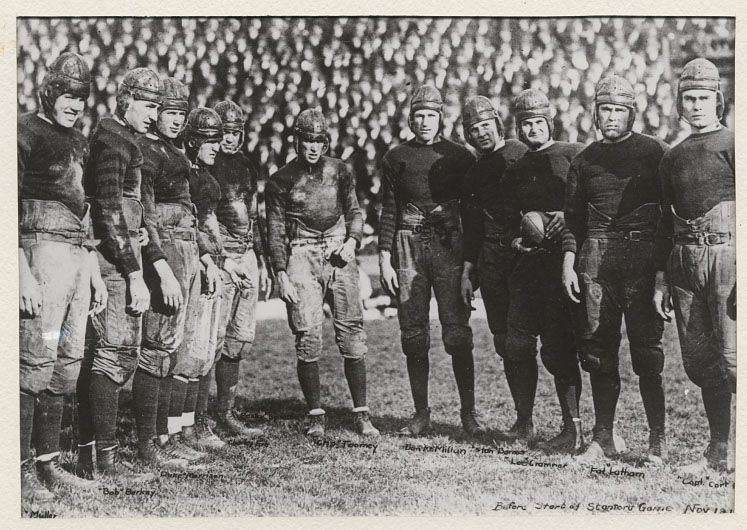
(141, 256)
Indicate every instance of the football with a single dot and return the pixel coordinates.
(533, 228)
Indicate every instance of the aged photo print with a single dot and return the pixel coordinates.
(376, 265)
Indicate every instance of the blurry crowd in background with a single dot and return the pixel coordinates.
(361, 72)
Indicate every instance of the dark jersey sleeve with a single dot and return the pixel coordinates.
(152, 251)
(276, 233)
(388, 206)
(107, 166)
(351, 209)
(575, 208)
(665, 231)
(511, 208)
(472, 222)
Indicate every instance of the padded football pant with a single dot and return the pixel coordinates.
(537, 309)
(316, 280)
(494, 268)
(702, 275)
(51, 344)
(164, 330)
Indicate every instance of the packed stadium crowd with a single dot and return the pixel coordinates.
(360, 71)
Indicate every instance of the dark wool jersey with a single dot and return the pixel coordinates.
(424, 175)
(536, 182)
(316, 196)
(237, 209)
(695, 176)
(113, 173)
(615, 178)
(205, 193)
(51, 159)
(165, 179)
(481, 195)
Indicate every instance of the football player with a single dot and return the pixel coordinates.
(112, 181)
(611, 214)
(315, 226)
(420, 248)
(487, 249)
(536, 182)
(698, 197)
(59, 273)
(238, 222)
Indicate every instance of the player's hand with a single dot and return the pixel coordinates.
(171, 291)
(517, 245)
(388, 274)
(212, 278)
(662, 297)
(138, 294)
(287, 290)
(99, 294)
(142, 237)
(570, 284)
(265, 283)
(30, 295)
(555, 225)
(347, 251)
(238, 273)
(468, 295)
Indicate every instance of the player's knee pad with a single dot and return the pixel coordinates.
(647, 362)
(353, 346)
(158, 363)
(520, 345)
(64, 380)
(457, 340)
(236, 349)
(415, 341)
(704, 373)
(499, 342)
(119, 365)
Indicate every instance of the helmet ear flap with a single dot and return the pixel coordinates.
(720, 104)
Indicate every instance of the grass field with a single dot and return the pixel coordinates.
(290, 475)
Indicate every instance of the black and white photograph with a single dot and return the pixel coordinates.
(376, 266)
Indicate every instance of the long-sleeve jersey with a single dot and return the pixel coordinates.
(481, 195)
(165, 179)
(51, 159)
(695, 176)
(314, 195)
(615, 178)
(205, 193)
(424, 175)
(237, 209)
(536, 182)
(113, 173)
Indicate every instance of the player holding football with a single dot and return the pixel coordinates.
(537, 182)
(420, 248)
(487, 248)
(315, 225)
(611, 213)
(698, 197)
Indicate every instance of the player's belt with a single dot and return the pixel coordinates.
(703, 238)
(628, 235)
(180, 233)
(320, 241)
(218, 259)
(73, 238)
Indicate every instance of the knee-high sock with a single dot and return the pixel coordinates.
(652, 394)
(717, 402)
(86, 433)
(190, 402)
(145, 390)
(226, 380)
(164, 402)
(464, 373)
(567, 390)
(47, 423)
(308, 376)
(355, 373)
(418, 370)
(105, 406)
(203, 395)
(605, 390)
(522, 382)
(28, 403)
(179, 386)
